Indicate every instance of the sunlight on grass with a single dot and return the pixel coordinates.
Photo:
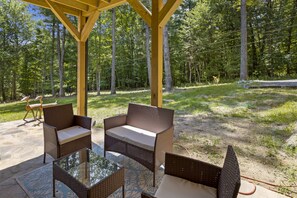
(283, 114)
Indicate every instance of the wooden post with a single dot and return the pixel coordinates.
(157, 55)
(81, 70)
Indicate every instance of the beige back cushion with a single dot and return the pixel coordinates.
(149, 118)
(60, 116)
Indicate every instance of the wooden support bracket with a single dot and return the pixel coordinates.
(145, 14)
(64, 20)
(167, 11)
(89, 25)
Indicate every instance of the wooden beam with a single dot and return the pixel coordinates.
(89, 26)
(145, 14)
(103, 6)
(81, 70)
(72, 4)
(106, 1)
(64, 20)
(43, 4)
(92, 3)
(89, 12)
(157, 55)
(167, 11)
(113, 3)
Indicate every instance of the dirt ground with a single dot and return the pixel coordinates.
(206, 137)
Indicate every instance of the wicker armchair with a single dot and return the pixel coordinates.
(186, 177)
(64, 132)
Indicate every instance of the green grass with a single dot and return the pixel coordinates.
(285, 113)
(225, 100)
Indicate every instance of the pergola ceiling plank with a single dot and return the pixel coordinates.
(66, 22)
(167, 11)
(73, 4)
(92, 3)
(103, 6)
(43, 4)
(113, 3)
(145, 14)
(89, 25)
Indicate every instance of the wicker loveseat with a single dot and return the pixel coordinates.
(186, 177)
(144, 134)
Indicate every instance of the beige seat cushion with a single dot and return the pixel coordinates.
(72, 133)
(180, 188)
(135, 136)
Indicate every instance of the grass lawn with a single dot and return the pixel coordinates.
(257, 122)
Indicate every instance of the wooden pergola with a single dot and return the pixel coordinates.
(88, 11)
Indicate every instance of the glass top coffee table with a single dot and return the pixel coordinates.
(88, 174)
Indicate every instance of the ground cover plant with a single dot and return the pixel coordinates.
(257, 122)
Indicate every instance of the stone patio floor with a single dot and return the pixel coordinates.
(21, 151)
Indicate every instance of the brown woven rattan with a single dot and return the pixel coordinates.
(102, 189)
(60, 117)
(158, 120)
(226, 180)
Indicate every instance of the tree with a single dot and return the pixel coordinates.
(61, 52)
(243, 62)
(16, 30)
(148, 52)
(167, 66)
(52, 55)
(113, 77)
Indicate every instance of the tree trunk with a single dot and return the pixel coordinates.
(254, 49)
(243, 61)
(60, 51)
(15, 66)
(98, 82)
(148, 52)
(2, 74)
(167, 67)
(113, 76)
(289, 42)
(2, 89)
(62, 90)
(197, 73)
(52, 57)
(190, 73)
(98, 68)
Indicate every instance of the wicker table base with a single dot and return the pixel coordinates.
(88, 174)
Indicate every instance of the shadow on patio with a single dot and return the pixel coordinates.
(22, 150)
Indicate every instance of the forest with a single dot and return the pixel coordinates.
(202, 42)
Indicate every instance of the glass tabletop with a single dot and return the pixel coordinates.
(87, 167)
